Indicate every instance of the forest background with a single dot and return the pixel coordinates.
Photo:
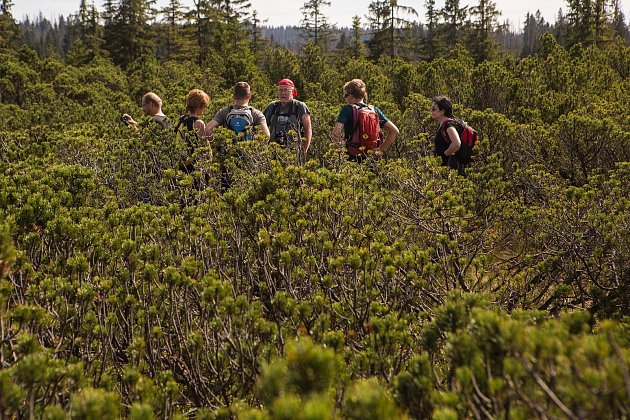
(314, 286)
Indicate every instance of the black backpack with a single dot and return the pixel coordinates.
(186, 130)
(280, 136)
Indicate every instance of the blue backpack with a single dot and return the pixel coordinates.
(239, 120)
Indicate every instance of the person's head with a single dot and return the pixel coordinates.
(355, 90)
(197, 101)
(242, 91)
(286, 90)
(151, 104)
(441, 106)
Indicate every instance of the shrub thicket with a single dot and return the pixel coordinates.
(319, 287)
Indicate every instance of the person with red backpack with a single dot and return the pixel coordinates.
(454, 139)
(361, 124)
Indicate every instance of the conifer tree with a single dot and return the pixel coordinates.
(618, 21)
(315, 26)
(378, 12)
(431, 44)
(590, 22)
(176, 42)
(387, 38)
(87, 35)
(357, 47)
(561, 28)
(602, 22)
(454, 21)
(128, 34)
(485, 16)
(255, 35)
(9, 31)
(534, 27)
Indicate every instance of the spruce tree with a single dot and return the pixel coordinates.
(9, 31)
(378, 12)
(485, 22)
(431, 44)
(454, 21)
(602, 23)
(388, 25)
(618, 21)
(580, 19)
(176, 43)
(87, 34)
(315, 26)
(357, 47)
(128, 34)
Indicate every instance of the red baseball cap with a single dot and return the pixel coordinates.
(288, 82)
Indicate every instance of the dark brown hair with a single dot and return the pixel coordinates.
(242, 90)
(444, 104)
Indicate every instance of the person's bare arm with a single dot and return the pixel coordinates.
(308, 131)
(264, 128)
(209, 128)
(336, 133)
(455, 141)
(392, 133)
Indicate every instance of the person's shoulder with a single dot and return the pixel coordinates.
(452, 123)
(271, 106)
(258, 116)
(300, 105)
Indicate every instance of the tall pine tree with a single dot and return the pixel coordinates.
(388, 27)
(176, 41)
(315, 26)
(128, 34)
(9, 31)
(454, 22)
(485, 20)
(431, 44)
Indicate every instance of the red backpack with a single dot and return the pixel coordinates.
(366, 135)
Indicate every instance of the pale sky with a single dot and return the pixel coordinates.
(287, 12)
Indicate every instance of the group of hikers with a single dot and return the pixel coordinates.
(287, 121)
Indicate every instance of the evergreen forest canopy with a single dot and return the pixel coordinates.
(313, 287)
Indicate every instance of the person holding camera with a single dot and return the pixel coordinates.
(151, 106)
(288, 117)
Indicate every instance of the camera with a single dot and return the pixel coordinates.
(281, 138)
(125, 119)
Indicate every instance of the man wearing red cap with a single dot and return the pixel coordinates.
(287, 116)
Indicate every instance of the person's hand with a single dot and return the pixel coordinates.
(126, 119)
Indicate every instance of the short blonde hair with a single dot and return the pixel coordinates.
(242, 90)
(196, 100)
(356, 88)
(151, 97)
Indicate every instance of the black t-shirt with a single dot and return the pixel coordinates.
(281, 120)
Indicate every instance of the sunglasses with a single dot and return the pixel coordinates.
(345, 95)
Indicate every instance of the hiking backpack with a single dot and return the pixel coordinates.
(238, 120)
(187, 132)
(468, 137)
(292, 122)
(366, 135)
